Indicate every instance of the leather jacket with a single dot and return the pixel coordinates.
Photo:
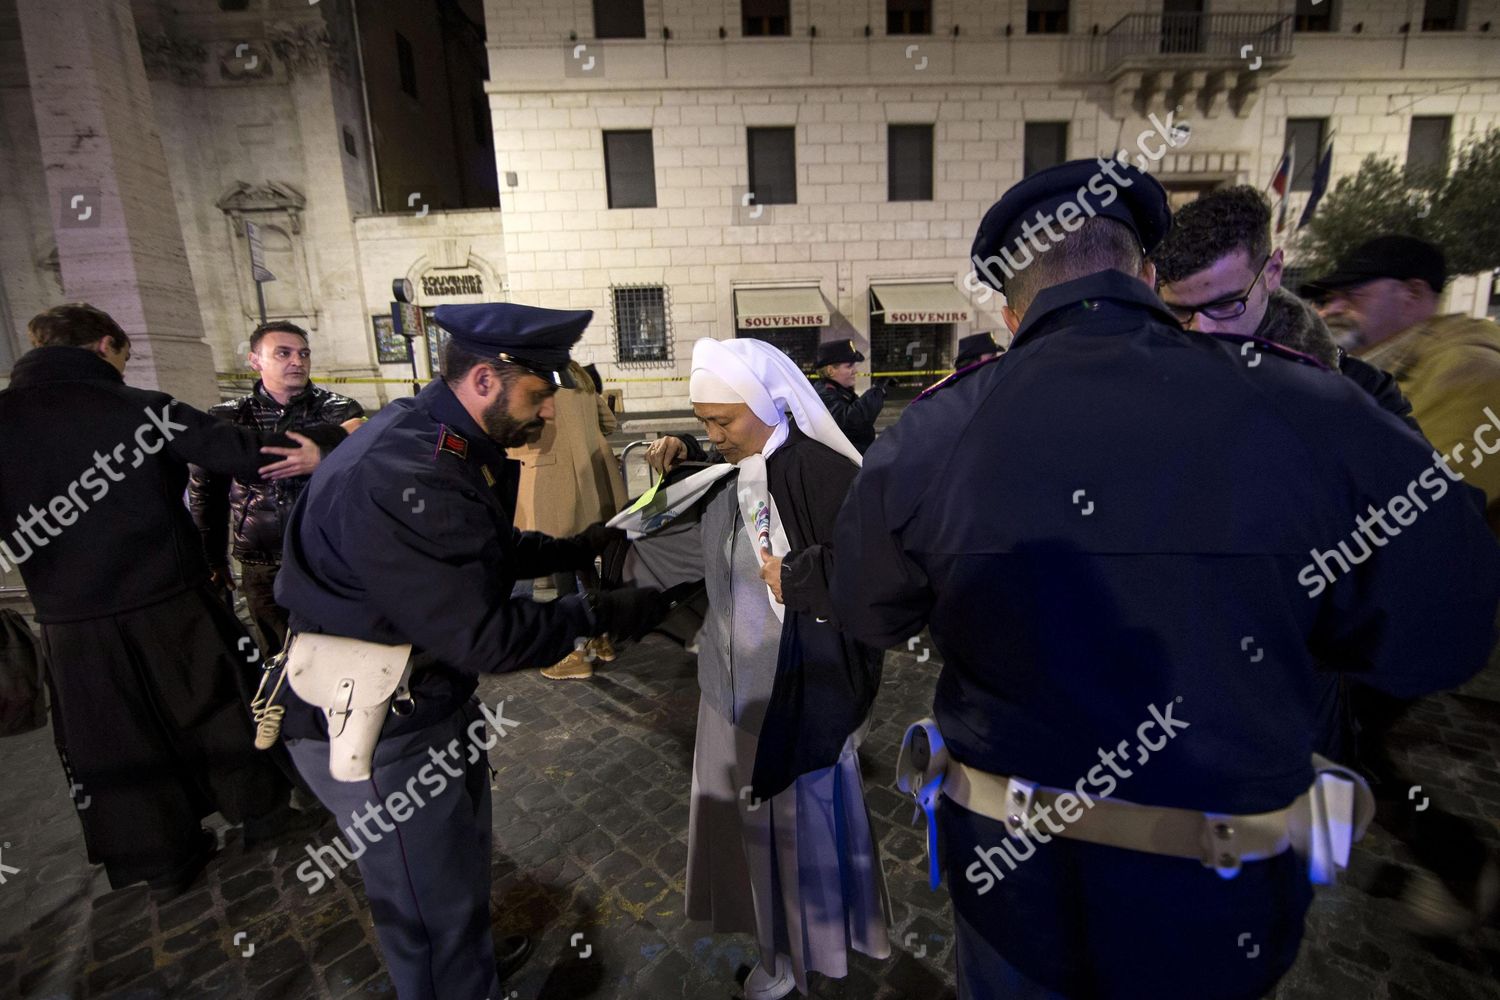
(254, 508)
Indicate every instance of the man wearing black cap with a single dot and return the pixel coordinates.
(854, 414)
(1449, 366)
(407, 541)
(1387, 292)
(975, 348)
(1124, 718)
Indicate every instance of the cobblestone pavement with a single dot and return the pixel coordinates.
(590, 829)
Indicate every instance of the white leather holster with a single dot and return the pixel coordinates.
(353, 681)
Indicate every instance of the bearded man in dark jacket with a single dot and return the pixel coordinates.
(142, 658)
(283, 399)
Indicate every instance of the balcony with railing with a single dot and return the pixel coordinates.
(1211, 61)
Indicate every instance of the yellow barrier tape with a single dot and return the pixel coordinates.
(335, 379)
(358, 380)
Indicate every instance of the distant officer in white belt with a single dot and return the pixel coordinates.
(1134, 545)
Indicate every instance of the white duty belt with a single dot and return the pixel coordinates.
(354, 682)
(1321, 824)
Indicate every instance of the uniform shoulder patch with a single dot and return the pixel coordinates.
(1252, 347)
(953, 379)
(451, 442)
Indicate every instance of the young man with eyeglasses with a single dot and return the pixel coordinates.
(1217, 274)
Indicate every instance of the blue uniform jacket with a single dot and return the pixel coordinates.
(1113, 531)
(406, 534)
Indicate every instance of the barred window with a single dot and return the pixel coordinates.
(642, 328)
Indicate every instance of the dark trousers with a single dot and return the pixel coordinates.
(270, 618)
(428, 877)
(155, 732)
(1099, 923)
(1444, 844)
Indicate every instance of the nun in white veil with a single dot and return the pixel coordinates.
(801, 872)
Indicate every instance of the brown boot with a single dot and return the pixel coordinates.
(602, 648)
(573, 667)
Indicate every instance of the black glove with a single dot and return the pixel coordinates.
(597, 537)
(629, 612)
(594, 541)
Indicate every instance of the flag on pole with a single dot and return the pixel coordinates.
(1281, 183)
(1320, 182)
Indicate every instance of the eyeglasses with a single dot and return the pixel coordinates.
(1224, 308)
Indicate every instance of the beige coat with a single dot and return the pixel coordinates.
(570, 478)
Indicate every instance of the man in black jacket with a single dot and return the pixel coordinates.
(142, 656)
(283, 399)
(855, 414)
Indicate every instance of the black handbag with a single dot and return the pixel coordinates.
(825, 686)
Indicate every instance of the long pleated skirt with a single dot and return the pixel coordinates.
(800, 872)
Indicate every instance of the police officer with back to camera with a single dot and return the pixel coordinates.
(405, 540)
(854, 413)
(1129, 629)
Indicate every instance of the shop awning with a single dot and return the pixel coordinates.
(779, 308)
(925, 302)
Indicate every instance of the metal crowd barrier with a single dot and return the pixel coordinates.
(10, 583)
(625, 455)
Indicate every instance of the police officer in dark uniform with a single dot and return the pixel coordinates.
(974, 348)
(855, 414)
(1131, 618)
(408, 538)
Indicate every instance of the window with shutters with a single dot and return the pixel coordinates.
(766, 17)
(1046, 146)
(630, 169)
(909, 170)
(773, 165)
(619, 19)
(1046, 17)
(1305, 137)
(908, 17)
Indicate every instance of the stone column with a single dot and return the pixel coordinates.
(118, 237)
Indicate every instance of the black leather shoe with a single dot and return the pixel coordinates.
(511, 954)
(187, 875)
(283, 825)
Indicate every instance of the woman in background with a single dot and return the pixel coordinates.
(570, 480)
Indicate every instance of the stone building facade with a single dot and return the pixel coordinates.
(623, 139)
(976, 74)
